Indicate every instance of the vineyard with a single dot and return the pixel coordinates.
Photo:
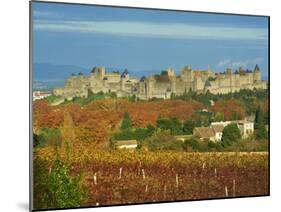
(76, 165)
(124, 177)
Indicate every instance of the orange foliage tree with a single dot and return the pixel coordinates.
(232, 109)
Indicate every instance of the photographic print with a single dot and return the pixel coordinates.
(137, 105)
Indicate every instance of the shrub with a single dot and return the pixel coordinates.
(248, 145)
(214, 146)
(191, 145)
(52, 98)
(162, 140)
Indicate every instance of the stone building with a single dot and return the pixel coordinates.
(246, 127)
(215, 131)
(40, 94)
(162, 85)
(126, 144)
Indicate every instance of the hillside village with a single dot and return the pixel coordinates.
(212, 133)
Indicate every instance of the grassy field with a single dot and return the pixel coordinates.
(124, 177)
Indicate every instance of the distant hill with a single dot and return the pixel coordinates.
(48, 71)
(47, 84)
(52, 72)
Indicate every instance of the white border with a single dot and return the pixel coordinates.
(14, 117)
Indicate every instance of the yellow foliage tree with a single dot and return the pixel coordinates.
(68, 135)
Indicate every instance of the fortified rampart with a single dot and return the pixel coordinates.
(163, 85)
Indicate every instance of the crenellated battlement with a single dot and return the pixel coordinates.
(163, 85)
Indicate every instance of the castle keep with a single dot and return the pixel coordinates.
(162, 85)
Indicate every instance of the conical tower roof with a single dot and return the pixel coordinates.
(257, 68)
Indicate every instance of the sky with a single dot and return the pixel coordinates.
(146, 40)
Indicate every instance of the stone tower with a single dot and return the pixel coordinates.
(99, 72)
(257, 74)
(172, 76)
(198, 83)
(187, 74)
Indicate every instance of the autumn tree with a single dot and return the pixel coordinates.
(231, 109)
(68, 135)
(219, 116)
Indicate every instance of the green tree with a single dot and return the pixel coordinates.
(125, 134)
(261, 132)
(141, 134)
(259, 117)
(163, 123)
(64, 191)
(127, 122)
(230, 134)
(176, 126)
(150, 129)
(188, 127)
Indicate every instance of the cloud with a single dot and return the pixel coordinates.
(242, 63)
(44, 14)
(151, 29)
(224, 63)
